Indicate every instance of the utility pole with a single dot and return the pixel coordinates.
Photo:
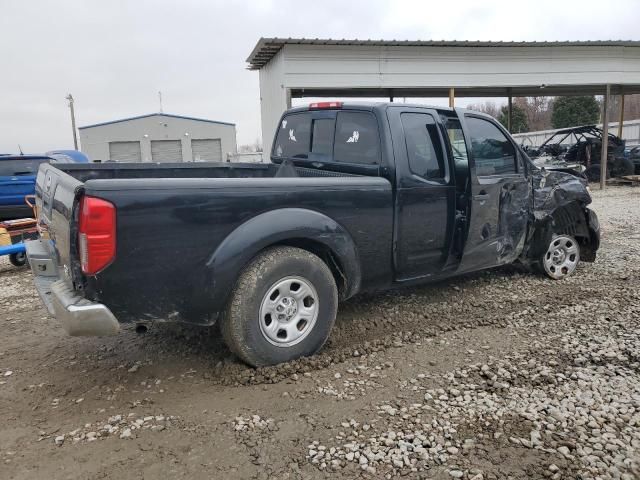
(160, 99)
(73, 121)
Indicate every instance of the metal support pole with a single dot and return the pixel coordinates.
(509, 111)
(287, 93)
(621, 119)
(73, 121)
(452, 96)
(605, 138)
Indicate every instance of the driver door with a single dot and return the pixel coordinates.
(425, 193)
(500, 191)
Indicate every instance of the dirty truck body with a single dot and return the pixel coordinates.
(358, 198)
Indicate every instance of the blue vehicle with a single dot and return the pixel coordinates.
(18, 179)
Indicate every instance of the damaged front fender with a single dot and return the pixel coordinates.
(560, 199)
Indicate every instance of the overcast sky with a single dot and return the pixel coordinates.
(115, 55)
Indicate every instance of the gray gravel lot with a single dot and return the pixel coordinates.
(500, 374)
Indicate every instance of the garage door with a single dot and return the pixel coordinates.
(125, 151)
(206, 150)
(166, 151)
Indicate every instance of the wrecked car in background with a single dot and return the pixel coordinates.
(633, 154)
(580, 148)
(359, 197)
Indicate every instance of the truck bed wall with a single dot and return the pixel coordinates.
(105, 171)
(112, 170)
(169, 229)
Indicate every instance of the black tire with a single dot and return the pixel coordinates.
(18, 259)
(622, 167)
(241, 325)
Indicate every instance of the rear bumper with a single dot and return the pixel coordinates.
(78, 316)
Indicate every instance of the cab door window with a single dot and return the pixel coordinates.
(492, 151)
(424, 148)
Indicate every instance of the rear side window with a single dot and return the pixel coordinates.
(424, 149)
(12, 168)
(294, 136)
(493, 153)
(357, 139)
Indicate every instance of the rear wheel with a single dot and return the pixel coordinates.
(561, 258)
(18, 259)
(282, 308)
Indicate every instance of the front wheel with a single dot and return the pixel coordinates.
(18, 259)
(282, 308)
(561, 258)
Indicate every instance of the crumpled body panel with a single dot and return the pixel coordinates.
(560, 199)
(556, 188)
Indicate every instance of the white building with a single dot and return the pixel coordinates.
(159, 137)
(292, 68)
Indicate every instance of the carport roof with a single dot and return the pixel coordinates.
(153, 115)
(267, 48)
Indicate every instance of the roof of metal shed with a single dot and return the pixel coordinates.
(266, 48)
(158, 114)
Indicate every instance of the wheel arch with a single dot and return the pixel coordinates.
(571, 219)
(327, 255)
(296, 227)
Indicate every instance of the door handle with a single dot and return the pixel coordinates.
(481, 196)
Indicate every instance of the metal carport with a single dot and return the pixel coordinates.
(297, 67)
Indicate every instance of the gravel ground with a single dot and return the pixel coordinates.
(501, 374)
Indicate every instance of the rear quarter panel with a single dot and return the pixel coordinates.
(168, 231)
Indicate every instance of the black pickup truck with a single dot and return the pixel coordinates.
(359, 197)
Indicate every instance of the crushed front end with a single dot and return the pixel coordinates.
(560, 206)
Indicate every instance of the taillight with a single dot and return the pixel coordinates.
(320, 105)
(96, 234)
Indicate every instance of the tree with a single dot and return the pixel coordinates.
(518, 118)
(574, 111)
(537, 110)
(254, 147)
(631, 107)
(490, 108)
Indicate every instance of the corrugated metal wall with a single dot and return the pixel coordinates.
(305, 67)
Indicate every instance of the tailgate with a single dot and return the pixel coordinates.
(56, 194)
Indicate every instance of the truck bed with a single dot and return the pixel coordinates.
(173, 219)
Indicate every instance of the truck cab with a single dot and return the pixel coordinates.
(461, 184)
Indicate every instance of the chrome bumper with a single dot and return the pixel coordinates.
(79, 317)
